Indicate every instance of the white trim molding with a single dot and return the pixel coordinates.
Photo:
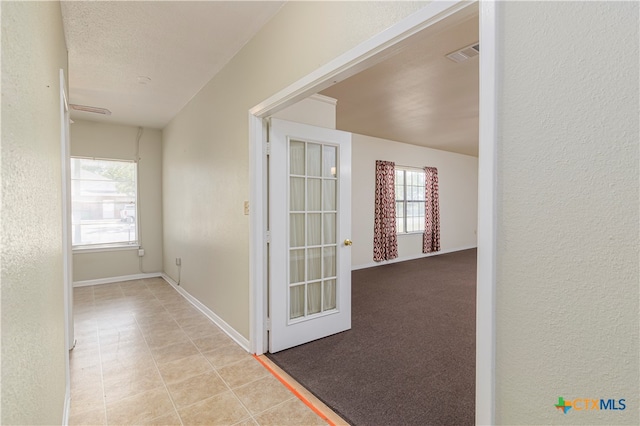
(360, 57)
(257, 235)
(487, 220)
(222, 324)
(103, 248)
(119, 279)
(67, 257)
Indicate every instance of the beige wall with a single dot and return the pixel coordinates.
(567, 277)
(118, 142)
(458, 183)
(205, 147)
(33, 347)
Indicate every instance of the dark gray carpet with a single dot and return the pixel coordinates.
(409, 358)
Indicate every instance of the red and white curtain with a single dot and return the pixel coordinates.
(385, 239)
(431, 238)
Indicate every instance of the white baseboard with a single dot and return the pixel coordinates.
(404, 259)
(121, 278)
(230, 331)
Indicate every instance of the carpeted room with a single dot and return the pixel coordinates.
(410, 355)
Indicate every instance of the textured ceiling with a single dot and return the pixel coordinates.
(179, 45)
(418, 96)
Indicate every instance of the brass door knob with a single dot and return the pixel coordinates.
(348, 242)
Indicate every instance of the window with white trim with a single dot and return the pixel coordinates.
(103, 203)
(409, 187)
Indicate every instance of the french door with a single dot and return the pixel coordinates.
(310, 226)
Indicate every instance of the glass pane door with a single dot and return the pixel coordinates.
(309, 222)
(313, 206)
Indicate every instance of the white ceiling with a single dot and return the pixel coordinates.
(179, 45)
(417, 96)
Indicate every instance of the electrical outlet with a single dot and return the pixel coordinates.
(246, 208)
(140, 252)
(178, 261)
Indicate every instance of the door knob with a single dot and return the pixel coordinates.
(348, 242)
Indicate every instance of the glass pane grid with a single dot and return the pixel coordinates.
(312, 215)
(410, 200)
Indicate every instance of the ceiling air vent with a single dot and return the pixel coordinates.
(465, 53)
(94, 110)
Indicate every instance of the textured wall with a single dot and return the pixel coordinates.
(205, 147)
(567, 277)
(118, 142)
(33, 348)
(458, 182)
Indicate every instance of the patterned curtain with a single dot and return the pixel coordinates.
(431, 240)
(385, 240)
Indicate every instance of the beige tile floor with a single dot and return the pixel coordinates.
(144, 355)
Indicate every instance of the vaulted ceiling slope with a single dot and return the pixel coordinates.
(144, 60)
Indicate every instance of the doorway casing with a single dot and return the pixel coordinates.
(350, 63)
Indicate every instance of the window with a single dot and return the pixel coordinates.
(103, 203)
(409, 200)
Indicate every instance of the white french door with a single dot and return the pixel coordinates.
(310, 226)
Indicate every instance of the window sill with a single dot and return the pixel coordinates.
(103, 248)
(411, 233)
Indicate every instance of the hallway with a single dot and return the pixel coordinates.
(145, 355)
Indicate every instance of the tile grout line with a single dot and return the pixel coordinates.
(104, 399)
(297, 394)
(155, 363)
(251, 415)
(151, 354)
(229, 388)
(179, 318)
(95, 317)
(215, 369)
(206, 359)
(293, 397)
(91, 303)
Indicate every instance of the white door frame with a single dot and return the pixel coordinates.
(67, 259)
(355, 60)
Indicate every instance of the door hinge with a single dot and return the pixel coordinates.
(268, 237)
(268, 324)
(268, 148)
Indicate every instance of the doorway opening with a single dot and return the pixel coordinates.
(375, 50)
